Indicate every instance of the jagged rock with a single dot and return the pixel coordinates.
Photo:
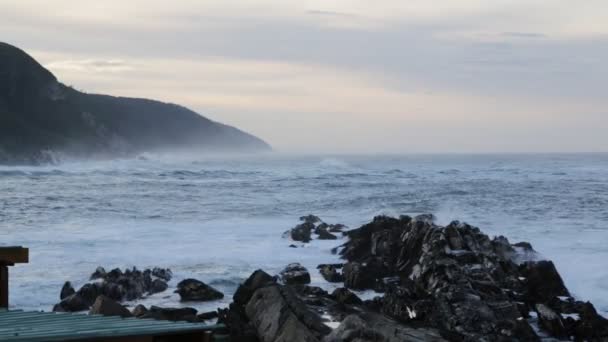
(345, 296)
(551, 321)
(196, 290)
(543, 281)
(139, 311)
(302, 232)
(336, 228)
(278, 315)
(99, 273)
(67, 290)
(171, 314)
(157, 286)
(330, 273)
(370, 327)
(108, 307)
(256, 280)
(73, 303)
(323, 234)
(162, 273)
(294, 274)
(365, 275)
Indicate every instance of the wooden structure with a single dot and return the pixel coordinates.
(9, 256)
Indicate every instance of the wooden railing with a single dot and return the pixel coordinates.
(9, 256)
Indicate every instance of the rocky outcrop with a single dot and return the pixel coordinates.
(312, 224)
(463, 283)
(116, 285)
(108, 307)
(278, 315)
(331, 273)
(295, 274)
(192, 290)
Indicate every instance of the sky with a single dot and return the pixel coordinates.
(344, 76)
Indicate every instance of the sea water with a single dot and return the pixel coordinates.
(218, 219)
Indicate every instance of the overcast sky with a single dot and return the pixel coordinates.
(344, 75)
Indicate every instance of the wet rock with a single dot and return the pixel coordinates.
(108, 307)
(162, 273)
(543, 281)
(256, 280)
(295, 274)
(550, 321)
(89, 293)
(139, 311)
(67, 290)
(196, 290)
(302, 232)
(157, 286)
(171, 314)
(336, 228)
(323, 234)
(310, 219)
(99, 273)
(345, 296)
(72, 303)
(277, 314)
(365, 275)
(331, 273)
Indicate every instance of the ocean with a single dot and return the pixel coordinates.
(219, 219)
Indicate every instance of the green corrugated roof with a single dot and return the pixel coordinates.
(55, 326)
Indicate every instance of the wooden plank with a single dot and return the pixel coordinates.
(14, 255)
(3, 286)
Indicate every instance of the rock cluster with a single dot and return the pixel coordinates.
(459, 281)
(116, 285)
(303, 232)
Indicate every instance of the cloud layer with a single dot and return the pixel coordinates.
(345, 76)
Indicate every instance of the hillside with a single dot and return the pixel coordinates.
(40, 117)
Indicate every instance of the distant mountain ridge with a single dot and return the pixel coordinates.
(40, 116)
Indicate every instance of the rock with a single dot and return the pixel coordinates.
(256, 280)
(171, 314)
(108, 307)
(157, 286)
(67, 290)
(336, 228)
(330, 273)
(293, 246)
(89, 293)
(543, 281)
(295, 274)
(73, 303)
(551, 321)
(139, 311)
(207, 316)
(162, 273)
(323, 234)
(99, 273)
(363, 276)
(310, 219)
(371, 327)
(278, 315)
(345, 296)
(196, 290)
(302, 232)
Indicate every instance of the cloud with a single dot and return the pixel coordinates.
(90, 65)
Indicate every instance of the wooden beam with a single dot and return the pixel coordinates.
(3, 286)
(14, 255)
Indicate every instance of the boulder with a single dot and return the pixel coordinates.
(108, 307)
(162, 273)
(205, 316)
(157, 286)
(256, 280)
(543, 282)
(196, 290)
(345, 296)
(323, 234)
(278, 314)
(550, 321)
(311, 219)
(294, 274)
(72, 303)
(139, 311)
(67, 290)
(331, 273)
(302, 232)
(99, 273)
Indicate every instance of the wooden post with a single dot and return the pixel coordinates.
(3, 286)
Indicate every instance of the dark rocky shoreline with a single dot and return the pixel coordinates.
(433, 283)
